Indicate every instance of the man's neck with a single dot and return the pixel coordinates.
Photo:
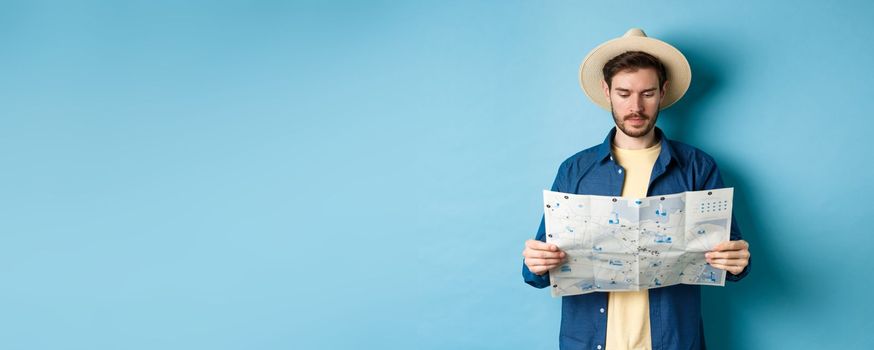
(624, 141)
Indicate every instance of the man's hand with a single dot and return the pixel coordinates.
(541, 257)
(731, 256)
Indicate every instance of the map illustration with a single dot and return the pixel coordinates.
(627, 244)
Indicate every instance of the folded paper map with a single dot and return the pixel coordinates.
(628, 244)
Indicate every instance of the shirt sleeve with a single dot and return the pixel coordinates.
(713, 180)
(532, 279)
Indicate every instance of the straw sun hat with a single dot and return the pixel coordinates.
(679, 72)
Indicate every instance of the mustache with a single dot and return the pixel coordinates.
(636, 116)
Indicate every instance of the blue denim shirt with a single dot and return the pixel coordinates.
(675, 311)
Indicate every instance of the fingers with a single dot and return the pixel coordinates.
(541, 257)
(540, 269)
(738, 258)
(734, 269)
(540, 250)
(538, 245)
(542, 254)
(543, 262)
(729, 262)
(731, 254)
(731, 245)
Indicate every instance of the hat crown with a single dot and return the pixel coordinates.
(634, 32)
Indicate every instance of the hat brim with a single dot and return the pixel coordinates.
(679, 72)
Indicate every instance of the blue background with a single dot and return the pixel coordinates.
(323, 175)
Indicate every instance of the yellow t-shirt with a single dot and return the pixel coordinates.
(628, 312)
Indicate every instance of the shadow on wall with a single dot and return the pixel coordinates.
(723, 307)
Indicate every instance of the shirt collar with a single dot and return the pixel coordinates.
(665, 156)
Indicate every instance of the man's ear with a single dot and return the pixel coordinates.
(606, 89)
(664, 89)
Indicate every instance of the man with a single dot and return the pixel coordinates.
(634, 77)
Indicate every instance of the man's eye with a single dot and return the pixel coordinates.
(649, 95)
(623, 95)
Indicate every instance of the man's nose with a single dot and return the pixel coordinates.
(636, 104)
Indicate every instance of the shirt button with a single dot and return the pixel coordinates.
(599, 347)
(602, 310)
(620, 171)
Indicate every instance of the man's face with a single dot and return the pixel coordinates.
(634, 100)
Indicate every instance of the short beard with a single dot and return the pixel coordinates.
(620, 123)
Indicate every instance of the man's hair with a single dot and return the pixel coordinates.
(632, 61)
